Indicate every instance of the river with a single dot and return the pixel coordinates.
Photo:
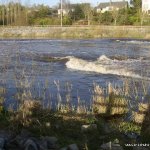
(43, 68)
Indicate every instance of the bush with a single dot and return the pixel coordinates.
(44, 21)
(67, 20)
(106, 18)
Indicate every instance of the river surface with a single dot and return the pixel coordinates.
(44, 68)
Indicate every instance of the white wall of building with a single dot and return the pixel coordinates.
(145, 5)
(64, 12)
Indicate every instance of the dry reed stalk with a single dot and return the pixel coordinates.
(110, 105)
(139, 116)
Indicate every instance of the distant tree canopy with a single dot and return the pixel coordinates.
(77, 12)
(42, 15)
(106, 18)
(80, 12)
(14, 13)
(42, 11)
(137, 4)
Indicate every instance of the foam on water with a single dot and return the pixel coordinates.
(103, 65)
(103, 58)
(134, 42)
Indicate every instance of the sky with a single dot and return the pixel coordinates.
(55, 2)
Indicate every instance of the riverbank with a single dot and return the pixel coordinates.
(76, 32)
(42, 129)
(32, 126)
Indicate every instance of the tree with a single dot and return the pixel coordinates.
(115, 15)
(106, 18)
(87, 10)
(137, 4)
(123, 17)
(42, 11)
(39, 14)
(67, 20)
(77, 12)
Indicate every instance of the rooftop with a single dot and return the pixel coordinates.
(120, 4)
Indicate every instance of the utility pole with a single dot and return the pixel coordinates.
(27, 5)
(3, 12)
(61, 14)
(110, 2)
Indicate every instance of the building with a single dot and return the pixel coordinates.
(110, 6)
(71, 8)
(64, 11)
(146, 6)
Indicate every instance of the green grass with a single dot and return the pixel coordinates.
(129, 127)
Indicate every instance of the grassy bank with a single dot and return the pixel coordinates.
(76, 32)
(68, 127)
(88, 129)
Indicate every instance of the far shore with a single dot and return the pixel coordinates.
(74, 32)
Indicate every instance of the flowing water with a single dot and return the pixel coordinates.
(46, 67)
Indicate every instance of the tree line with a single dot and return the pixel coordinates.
(15, 13)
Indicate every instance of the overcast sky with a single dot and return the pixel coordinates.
(55, 2)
